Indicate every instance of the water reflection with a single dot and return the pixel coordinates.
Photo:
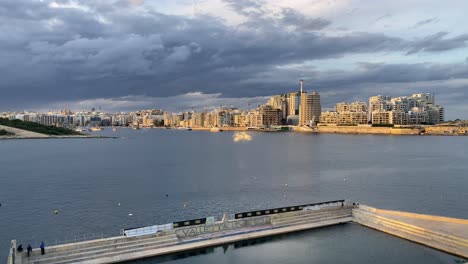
(346, 243)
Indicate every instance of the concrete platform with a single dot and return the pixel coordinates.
(443, 233)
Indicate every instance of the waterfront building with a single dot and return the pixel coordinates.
(293, 102)
(344, 118)
(390, 117)
(418, 108)
(351, 107)
(270, 116)
(379, 103)
(309, 109)
(241, 120)
(255, 119)
(292, 120)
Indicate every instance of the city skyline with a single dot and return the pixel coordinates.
(194, 105)
(126, 54)
(296, 109)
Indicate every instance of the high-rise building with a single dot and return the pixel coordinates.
(293, 103)
(309, 109)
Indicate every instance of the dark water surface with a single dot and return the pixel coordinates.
(86, 179)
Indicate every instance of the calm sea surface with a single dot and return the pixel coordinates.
(86, 179)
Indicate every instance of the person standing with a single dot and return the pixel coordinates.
(42, 246)
(29, 248)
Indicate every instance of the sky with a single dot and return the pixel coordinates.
(124, 55)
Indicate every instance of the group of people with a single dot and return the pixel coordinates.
(29, 248)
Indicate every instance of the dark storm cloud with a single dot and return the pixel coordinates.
(103, 50)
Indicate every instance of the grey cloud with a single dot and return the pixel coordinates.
(261, 17)
(438, 42)
(293, 18)
(247, 7)
(425, 22)
(109, 50)
(382, 18)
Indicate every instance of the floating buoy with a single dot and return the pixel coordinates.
(56, 212)
(119, 204)
(130, 214)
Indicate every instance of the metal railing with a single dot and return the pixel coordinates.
(146, 230)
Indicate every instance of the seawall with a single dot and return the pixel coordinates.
(369, 130)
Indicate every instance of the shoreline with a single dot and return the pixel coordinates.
(55, 137)
(361, 130)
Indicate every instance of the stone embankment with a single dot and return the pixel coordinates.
(442, 233)
(447, 130)
(369, 130)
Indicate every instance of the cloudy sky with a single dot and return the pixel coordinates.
(180, 54)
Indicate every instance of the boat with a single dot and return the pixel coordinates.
(136, 127)
(80, 129)
(95, 129)
(216, 129)
(114, 129)
(185, 128)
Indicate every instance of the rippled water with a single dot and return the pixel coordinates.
(85, 180)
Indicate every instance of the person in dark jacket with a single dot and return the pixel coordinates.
(20, 248)
(29, 248)
(42, 246)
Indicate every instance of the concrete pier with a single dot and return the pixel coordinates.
(442, 233)
(447, 234)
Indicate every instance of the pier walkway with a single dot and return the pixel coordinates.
(446, 234)
(443, 233)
